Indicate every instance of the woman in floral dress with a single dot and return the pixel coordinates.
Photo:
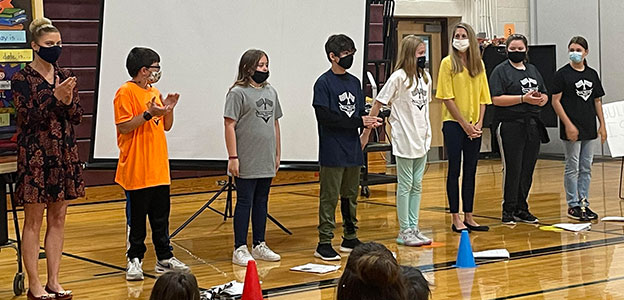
(49, 171)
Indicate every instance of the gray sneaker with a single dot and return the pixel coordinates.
(419, 235)
(171, 264)
(407, 238)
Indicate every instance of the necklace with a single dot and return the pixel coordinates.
(139, 84)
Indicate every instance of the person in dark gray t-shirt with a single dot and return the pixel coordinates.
(252, 138)
(518, 94)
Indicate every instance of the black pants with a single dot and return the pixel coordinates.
(457, 144)
(519, 143)
(252, 196)
(153, 202)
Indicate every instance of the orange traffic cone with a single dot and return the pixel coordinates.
(252, 289)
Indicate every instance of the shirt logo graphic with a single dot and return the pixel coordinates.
(419, 97)
(584, 88)
(264, 109)
(528, 84)
(347, 103)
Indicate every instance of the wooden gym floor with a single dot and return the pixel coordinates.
(544, 264)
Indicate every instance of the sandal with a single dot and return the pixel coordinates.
(64, 295)
(30, 296)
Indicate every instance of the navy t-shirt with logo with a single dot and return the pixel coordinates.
(507, 80)
(579, 90)
(341, 95)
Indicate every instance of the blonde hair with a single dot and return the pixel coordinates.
(473, 55)
(407, 59)
(40, 26)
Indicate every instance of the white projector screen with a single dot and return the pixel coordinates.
(200, 43)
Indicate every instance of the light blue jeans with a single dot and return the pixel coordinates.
(577, 176)
(409, 190)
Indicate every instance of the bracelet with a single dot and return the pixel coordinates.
(233, 157)
(521, 100)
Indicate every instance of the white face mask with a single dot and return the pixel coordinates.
(154, 77)
(461, 45)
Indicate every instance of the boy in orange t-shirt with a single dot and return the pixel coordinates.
(142, 116)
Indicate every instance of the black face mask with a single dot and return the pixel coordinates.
(516, 56)
(421, 61)
(346, 62)
(50, 54)
(260, 77)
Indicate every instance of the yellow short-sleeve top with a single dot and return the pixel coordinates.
(468, 92)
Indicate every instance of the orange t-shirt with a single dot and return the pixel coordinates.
(143, 158)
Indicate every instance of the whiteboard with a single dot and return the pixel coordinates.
(614, 119)
(611, 49)
(200, 44)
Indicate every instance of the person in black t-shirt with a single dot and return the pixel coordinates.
(577, 102)
(518, 94)
(339, 107)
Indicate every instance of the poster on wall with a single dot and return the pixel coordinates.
(15, 16)
(15, 52)
(614, 119)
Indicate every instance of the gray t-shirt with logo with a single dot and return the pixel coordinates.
(255, 111)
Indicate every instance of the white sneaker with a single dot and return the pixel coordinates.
(134, 271)
(172, 264)
(419, 235)
(407, 238)
(241, 256)
(263, 252)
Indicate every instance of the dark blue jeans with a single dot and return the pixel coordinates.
(458, 143)
(252, 196)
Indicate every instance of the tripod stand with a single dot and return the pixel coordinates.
(227, 212)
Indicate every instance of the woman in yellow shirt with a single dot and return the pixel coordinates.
(464, 90)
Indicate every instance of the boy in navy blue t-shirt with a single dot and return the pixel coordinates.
(339, 107)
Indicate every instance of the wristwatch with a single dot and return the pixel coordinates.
(147, 116)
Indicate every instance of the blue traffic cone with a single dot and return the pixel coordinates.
(465, 259)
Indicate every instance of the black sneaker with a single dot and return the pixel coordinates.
(349, 245)
(525, 217)
(591, 214)
(577, 214)
(326, 252)
(508, 218)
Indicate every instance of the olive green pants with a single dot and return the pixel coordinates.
(343, 183)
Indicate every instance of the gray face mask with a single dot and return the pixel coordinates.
(154, 77)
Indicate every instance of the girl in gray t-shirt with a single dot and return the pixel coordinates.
(252, 138)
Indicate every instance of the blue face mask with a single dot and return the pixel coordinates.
(576, 57)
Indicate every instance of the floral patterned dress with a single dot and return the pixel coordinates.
(48, 166)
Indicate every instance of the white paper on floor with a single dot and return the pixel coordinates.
(574, 227)
(316, 268)
(495, 253)
(612, 219)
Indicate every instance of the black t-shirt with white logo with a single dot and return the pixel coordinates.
(507, 80)
(579, 91)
